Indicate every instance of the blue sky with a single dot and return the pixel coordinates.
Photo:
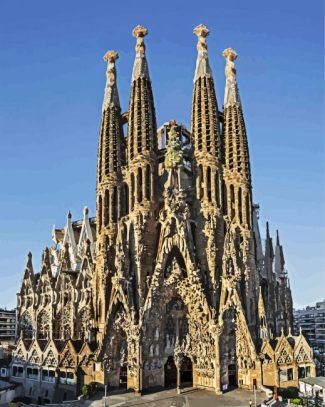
(52, 79)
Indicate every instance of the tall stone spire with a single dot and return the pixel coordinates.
(235, 148)
(205, 123)
(279, 258)
(205, 130)
(111, 143)
(142, 127)
(110, 192)
(237, 189)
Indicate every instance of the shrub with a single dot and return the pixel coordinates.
(85, 390)
(297, 401)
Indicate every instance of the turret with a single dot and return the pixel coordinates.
(205, 126)
(237, 176)
(142, 128)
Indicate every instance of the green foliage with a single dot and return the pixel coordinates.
(297, 401)
(85, 390)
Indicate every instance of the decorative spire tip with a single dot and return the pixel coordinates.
(139, 31)
(110, 56)
(201, 30)
(230, 54)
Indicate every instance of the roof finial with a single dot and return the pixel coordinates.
(202, 63)
(139, 32)
(230, 55)
(111, 94)
(140, 67)
(29, 264)
(201, 31)
(231, 92)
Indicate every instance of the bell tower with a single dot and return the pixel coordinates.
(109, 200)
(141, 172)
(208, 168)
(237, 190)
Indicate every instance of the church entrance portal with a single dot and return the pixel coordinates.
(170, 373)
(186, 372)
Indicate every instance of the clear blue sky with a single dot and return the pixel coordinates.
(52, 79)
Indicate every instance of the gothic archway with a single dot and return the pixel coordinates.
(170, 372)
(186, 372)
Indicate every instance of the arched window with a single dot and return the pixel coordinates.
(248, 212)
(208, 184)
(148, 182)
(232, 201)
(132, 192)
(224, 198)
(126, 199)
(106, 208)
(114, 205)
(100, 213)
(140, 195)
(100, 310)
(240, 209)
(217, 189)
(200, 192)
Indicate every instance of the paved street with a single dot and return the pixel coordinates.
(190, 398)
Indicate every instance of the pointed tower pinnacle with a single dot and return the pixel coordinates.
(29, 264)
(142, 126)
(235, 148)
(140, 67)
(111, 149)
(202, 63)
(205, 125)
(111, 97)
(231, 91)
(279, 261)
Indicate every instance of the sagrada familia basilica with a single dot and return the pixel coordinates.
(170, 284)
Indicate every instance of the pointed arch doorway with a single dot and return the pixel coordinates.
(170, 372)
(186, 373)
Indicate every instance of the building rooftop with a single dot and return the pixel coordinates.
(319, 381)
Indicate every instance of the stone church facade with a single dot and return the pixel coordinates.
(170, 284)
